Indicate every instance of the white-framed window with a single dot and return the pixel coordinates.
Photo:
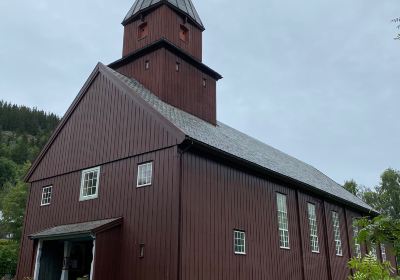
(283, 223)
(383, 253)
(336, 233)
(145, 174)
(46, 195)
(373, 251)
(239, 242)
(312, 219)
(357, 245)
(90, 183)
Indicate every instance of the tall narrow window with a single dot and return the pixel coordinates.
(147, 65)
(373, 251)
(141, 250)
(357, 245)
(184, 34)
(204, 82)
(46, 195)
(145, 174)
(143, 30)
(383, 252)
(283, 221)
(90, 183)
(239, 242)
(336, 233)
(312, 218)
(177, 67)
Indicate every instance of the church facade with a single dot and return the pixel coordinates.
(140, 180)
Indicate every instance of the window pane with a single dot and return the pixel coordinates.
(239, 243)
(336, 233)
(312, 218)
(89, 185)
(145, 173)
(283, 221)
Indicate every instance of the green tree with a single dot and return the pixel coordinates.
(351, 186)
(14, 203)
(397, 22)
(8, 171)
(8, 256)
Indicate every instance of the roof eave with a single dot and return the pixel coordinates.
(164, 43)
(259, 169)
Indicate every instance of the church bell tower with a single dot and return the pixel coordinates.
(162, 49)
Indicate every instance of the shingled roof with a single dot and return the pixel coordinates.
(184, 6)
(240, 145)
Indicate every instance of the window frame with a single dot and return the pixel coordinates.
(357, 245)
(138, 174)
(286, 216)
(93, 196)
(337, 237)
(49, 198)
(313, 222)
(242, 237)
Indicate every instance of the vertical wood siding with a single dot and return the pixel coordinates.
(315, 264)
(217, 199)
(183, 89)
(107, 125)
(163, 23)
(150, 217)
(107, 254)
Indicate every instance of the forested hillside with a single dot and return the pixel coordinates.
(23, 132)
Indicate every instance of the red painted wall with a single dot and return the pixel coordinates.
(163, 22)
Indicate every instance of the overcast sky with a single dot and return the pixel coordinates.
(316, 79)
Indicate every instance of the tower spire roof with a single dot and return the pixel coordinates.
(184, 6)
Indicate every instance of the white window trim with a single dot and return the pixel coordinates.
(287, 218)
(51, 195)
(244, 242)
(337, 234)
(93, 196)
(151, 178)
(316, 227)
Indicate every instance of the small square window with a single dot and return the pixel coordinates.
(147, 65)
(145, 174)
(184, 34)
(239, 242)
(90, 183)
(143, 30)
(46, 195)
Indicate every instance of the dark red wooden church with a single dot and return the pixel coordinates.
(140, 180)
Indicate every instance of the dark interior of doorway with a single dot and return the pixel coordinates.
(79, 263)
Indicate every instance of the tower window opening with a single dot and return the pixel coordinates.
(143, 30)
(204, 82)
(184, 34)
(177, 67)
(147, 65)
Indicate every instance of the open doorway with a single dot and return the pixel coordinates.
(74, 257)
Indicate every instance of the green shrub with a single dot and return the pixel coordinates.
(368, 268)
